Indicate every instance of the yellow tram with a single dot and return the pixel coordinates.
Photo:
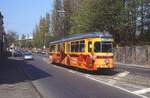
(91, 51)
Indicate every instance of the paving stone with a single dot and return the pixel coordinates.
(13, 81)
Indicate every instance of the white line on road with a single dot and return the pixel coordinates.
(121, 75)
(89, 77)
(57, 67)
(142, 91)
(71, 71)
(112, 81)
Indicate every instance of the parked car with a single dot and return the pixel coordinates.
(43, 52)
(28, 56)
(17, 54)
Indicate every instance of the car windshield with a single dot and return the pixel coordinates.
(28, 54)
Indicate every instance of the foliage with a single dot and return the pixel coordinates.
(127, 20)
(12, 38)
(42, 34)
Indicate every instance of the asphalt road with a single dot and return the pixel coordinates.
(56, 82)
(135, 70)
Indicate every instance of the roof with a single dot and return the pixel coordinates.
(85, 35)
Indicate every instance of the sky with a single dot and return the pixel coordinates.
(21, 16)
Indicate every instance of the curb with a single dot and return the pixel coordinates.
(133, 65)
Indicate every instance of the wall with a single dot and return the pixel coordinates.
(133, 55)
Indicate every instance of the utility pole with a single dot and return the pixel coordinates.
(61, 13)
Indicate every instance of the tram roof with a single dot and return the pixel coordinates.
(82, 36)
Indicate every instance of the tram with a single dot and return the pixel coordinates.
(90, 51)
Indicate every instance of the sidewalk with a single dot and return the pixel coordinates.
(13, 81)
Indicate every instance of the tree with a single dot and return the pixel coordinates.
(12, 37)
(96, 15)
(57, 24)
(42, 34)
(124, 19)
(23, 41)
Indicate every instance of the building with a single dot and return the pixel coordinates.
(2, 37)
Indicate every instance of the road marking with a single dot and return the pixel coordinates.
(121, 75)
(57, 66)
(142, 91)
(89, 77)
(71, 71)
(112, 81)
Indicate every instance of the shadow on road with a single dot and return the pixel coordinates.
(13, 71)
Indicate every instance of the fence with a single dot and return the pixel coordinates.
(133, 55)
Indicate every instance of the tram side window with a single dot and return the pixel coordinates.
(52, 48)
(82, 46)
(76, 46)
(58, 49)
(89, 46)
(64, 46)
(68, 47)
(72, 47)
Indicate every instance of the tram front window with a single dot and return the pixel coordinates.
(106, 47)
(102, 47)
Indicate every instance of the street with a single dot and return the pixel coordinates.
(136, 70)
(56, 82)
(75, 49)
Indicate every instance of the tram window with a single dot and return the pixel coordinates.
(97, 47)
(76, 46)
(64, 46)
(106, 47)
(89, 46)
(52, 48)
(82, 46)
(72, 47)
(68, 47)
(58, 49)
(102, 47)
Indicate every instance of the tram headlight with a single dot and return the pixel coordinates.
(107, 61)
